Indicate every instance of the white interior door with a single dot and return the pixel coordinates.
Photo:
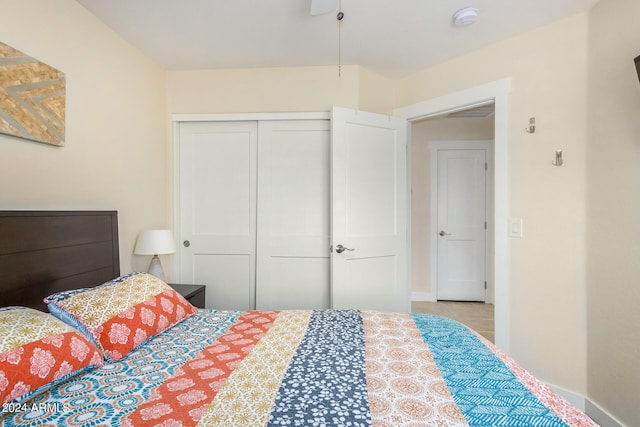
(293, 215)
(369, 202)
(461, 199)
(217, 192)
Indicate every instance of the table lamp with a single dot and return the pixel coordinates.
(155, 242)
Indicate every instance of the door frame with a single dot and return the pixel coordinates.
(434, 147)
(497, 92)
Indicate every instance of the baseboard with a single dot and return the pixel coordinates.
(595, 412)
(601, 416)
(575, 399)
(422, 296)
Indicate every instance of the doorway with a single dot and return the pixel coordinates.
(497, 92)
(452, 178)
(441, 134)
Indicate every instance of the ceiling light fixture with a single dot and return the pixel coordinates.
(466, 16)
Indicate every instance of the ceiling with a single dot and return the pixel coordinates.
(394, 38)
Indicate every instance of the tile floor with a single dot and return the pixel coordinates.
(476, 315)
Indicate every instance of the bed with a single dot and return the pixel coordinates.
(230, 368)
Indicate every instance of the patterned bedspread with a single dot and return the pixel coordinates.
(305, 368)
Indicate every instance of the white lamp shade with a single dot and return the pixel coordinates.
(155, 242)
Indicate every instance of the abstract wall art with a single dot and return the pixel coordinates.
(32, 98)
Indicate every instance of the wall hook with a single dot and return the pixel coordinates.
(558, 161)
(532, 125)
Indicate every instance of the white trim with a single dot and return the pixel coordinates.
(499, 93)
(599, 415)
(176, 271)
(595, 412)
(469, 98)
(230, 117)
(434, 146)
(408, 249)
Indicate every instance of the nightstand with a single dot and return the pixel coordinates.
(195, 294)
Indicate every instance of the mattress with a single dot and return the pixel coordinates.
(304, 368)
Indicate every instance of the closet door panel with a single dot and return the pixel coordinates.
(297, 283)
(229, 285)
(218, 210)
(293, 215)
(221, 168)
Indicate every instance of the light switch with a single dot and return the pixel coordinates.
(515, 227)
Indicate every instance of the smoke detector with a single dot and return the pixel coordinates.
(466, 16)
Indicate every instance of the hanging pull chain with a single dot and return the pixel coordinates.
(339, 17)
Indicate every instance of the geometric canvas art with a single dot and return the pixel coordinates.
(32, 98)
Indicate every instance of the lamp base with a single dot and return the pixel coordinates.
(155, 268)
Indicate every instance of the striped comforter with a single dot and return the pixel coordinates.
(306, 368)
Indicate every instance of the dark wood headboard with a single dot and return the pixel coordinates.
(42, 252)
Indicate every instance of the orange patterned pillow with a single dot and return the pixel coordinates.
(37, 350)
(123, 313)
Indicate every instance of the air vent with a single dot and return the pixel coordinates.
(483, 111)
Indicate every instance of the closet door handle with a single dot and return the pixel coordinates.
(341, 249)
(444, 233)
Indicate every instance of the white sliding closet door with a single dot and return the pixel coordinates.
(369, 210)
(218, 210)
(293, 215)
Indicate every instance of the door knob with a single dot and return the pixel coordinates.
(186, 243)
(444, 233)
(341, 249)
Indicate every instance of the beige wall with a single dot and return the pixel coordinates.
(115, 155)
(613, 231)
(422, 134)
(547, 271)
(375, 92)
(262, 90)
(269, 90)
